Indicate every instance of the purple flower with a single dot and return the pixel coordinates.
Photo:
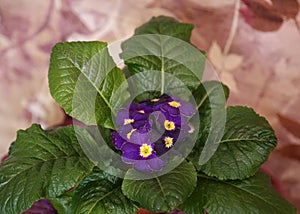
(149, 129)
(142, 157)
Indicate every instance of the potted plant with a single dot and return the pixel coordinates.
(153, 135)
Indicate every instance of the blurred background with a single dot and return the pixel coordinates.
(254, 45)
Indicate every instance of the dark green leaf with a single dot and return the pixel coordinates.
(83, 79)
(249, 196)
(63, 203)
(162, 45)
(210, 98)
(162, 193)
(40, 165)
(101, 193)
(97, 144)
(246, 144)
(166, 26)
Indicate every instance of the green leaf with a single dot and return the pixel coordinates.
(41, 165)
(62, 204)
(96, 142)
(164, 193)
(162, 45)
(249, 196)
(166, 26)
(84, 80)
(210, 98)
(246, 144)
(101, 193)
(210, 95)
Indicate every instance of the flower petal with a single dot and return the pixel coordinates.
(117, 139)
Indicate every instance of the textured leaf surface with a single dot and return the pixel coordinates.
(210, 98)
(101, 193)
(246, 144)
(41, 165)
(162, 45)
(254, 195)
(83, 80)
(63, 203)
(166, 26)
(162, 193)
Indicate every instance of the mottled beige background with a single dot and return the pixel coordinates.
(261, 68)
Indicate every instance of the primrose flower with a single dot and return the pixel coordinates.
(149, 129)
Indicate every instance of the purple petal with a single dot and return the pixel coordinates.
(139, 116)
(117, 139)
(172, 111)
(151, 164)
(139, 138)
(130, 152)
(156, 164)
(124, 130)
(142, 165)
(121, 116)
(187, 109)
(160, 148)
(176, 211)
(41, 206)
(136, 107)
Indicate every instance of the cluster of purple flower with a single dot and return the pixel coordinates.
(149, 129)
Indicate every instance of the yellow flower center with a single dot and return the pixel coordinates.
(169, 125)
(168, 142)
(145, 150)
(174, 104)
(155, 100)
(128, 121)
(130, 133)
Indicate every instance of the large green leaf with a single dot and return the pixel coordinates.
(166, 26)
(254, 195)
(101, 193)
(162, 45)
(163, 193)
(63, 203)
(83, 79)
(40, 165)
(247, 141)
(210, 98)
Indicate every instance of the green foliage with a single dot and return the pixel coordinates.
(164, 193)
(83, 79)
(166, 26)
(101, 193)
(210, 98)
(247, 141)
(41, 165)
(161, 45)
(248, 196)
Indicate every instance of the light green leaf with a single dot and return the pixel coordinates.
(83, 79)
(164, 193)
(101, 193)
(246, 144)
(210, 98)
(254, 195)
(40, 165)
(162, 45)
